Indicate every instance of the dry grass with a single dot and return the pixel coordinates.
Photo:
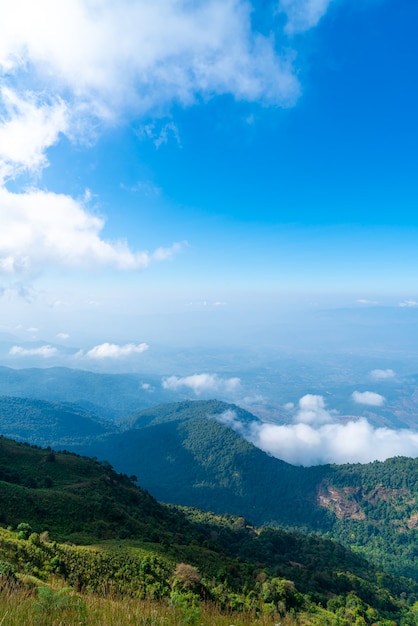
(20, 608)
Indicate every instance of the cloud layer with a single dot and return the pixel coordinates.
(316, 437)
(382, 374)
(202, 384)
(369, 398)
(114, 351)
(43, 351)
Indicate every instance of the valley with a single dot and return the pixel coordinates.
(219, 499)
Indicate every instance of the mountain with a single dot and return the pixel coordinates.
(183, 454)
(110, 396)
(49, 424)
(187, 453)
(81, 500)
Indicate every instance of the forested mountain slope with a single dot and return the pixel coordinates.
(186, 453)
(82, 500)
(49, 423)
(110, 396)
(183, 454)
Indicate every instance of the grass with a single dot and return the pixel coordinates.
(19, 607)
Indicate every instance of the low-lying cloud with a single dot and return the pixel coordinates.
(114, 351)
(43, 351)
(202, 383)
(370, 398)
(382, 374)
(318, 437)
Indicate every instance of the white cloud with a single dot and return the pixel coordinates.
(323, 439)
(43, 228)
(312, 410)
(63, 336)
(160, 135)
(303, 14)
(88, 65)
(364, 301)
(256, 399)
(408, 303)
(229, 418)
(206, 304)
(202, 383)
(43, 351)
(27, 127)
(142, 55)
(114, 351)
(353, 442)
(382, 374)
(368, 397)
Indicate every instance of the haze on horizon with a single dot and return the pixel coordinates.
(229, 174)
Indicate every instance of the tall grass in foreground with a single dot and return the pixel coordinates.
(20, 608)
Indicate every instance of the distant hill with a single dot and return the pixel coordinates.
(49, 424)
(110, 396)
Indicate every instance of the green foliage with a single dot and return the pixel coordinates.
(51, 605)
(24, 530)
(184, 454)
(184, 557)
(49, 423)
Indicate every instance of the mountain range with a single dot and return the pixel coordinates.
(189, 454)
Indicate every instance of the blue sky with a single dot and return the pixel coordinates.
(238, 160)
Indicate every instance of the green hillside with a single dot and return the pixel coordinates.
(135, 546)
(49, 423)
(112, 396)
(183, 455)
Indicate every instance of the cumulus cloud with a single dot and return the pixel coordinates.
(131, 60)
(312, 410)
(140, 56)
(324, 439)
(353, 442)
(43, 351)
(40, 228)
(382, 374)
(303, 14)
(28, 125)
(368, 397)
(114, 351)
(202, 383)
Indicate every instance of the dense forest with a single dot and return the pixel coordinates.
(77, 535)
(329, 530)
